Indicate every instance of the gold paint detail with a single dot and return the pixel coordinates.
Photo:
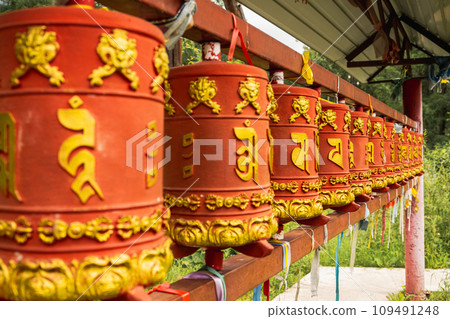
(383, 157)
(351, 157)
(271, 143)
(85, 184)
(118, 53)
(379, 182)
(299, 155)
(249, 92)
(318, 112)
(339, 180)
(336, 155)
(369, 126)
(358, 124)
(167, 96)
(377, 129)
(222, 233)
(35, 49)
(347, 120)
(213, 202)
(327, 118)
(385, 132)
(191, 202)
(370, 153)
(247, 165)
(8, 147)
(392, 153)
(259, 199)
(203, 91)
(93, 277)
(161, 64)
(273, 105)
(151, 173)
(361, 188)
(290, 187)
(310, 186)
(317, 149)
(336, 198)
(188, 140)
(301, 108)
(18, 230)
(298, 208)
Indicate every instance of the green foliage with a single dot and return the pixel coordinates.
(437, 206)
(9, 5)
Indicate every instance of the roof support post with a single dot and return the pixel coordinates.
(414, 228)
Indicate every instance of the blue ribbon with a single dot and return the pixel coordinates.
(257, 293)
(339, 242)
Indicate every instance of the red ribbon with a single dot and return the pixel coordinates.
(234, 36)
(266, 289)
(165, 287)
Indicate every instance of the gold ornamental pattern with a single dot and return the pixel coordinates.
(298, 208)
(249, 92)
(327, 118)
(222, 233)
(161, 64)
(358, 125)
(311, 186)
(35, 49)
(347, 120)
(301, 108)
(336, 198)
(273, 105)
(118, 53)
(202, 91)
(19, 230)
(95, 277)
(290, 187)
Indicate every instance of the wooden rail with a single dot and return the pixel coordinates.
(243, 273)
(266, 52)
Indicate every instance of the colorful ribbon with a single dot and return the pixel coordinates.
(339, 241)
(286, 260)
(207, 272)
(306, 69)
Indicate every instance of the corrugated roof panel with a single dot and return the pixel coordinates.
(320, 22)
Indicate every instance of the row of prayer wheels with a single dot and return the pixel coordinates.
(88, 119)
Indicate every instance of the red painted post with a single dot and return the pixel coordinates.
(414, 237)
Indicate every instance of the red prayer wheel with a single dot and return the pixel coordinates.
(407, 152)
(376, 154)
(75, 221)
(359, 166)
(334, 125)
(420, 153)
(389, 147)
(398, 166)
(218, 183)
(294, 178)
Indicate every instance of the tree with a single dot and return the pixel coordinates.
(9, 5)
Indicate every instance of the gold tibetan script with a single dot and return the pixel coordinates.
(8, 147)
(247, 165)
(299, 154)
(351, 156)
(79, 120)
(151, 172)
(370, 157)
(335, 154)
(188, 141)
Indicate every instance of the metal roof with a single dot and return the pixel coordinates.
(335, 27)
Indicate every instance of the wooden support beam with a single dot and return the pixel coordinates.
(362, 64)
(265, 51)
(243, 273)
(430, 36)
(375, 73)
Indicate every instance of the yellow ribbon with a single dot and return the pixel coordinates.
(306, 70)
(370, 106)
